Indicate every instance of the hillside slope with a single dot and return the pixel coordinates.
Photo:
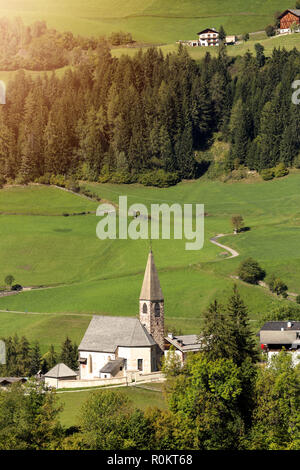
(149, 20)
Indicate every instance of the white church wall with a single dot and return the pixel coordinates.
(98, 359)
(133, 354)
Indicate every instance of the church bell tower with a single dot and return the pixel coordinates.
(152, 304)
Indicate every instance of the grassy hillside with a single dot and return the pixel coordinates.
(289, 42)
(142, 398)
(149, 20)
(87, 276)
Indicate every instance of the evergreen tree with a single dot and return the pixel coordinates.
(35, 359)
(217, 334)
(69, 354)
(243, 335)
(222, 34)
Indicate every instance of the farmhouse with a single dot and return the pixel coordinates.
(208, 37)
(183, 345)
(275, 335)
(287, 19)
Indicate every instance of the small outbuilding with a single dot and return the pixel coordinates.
(7, 381)
(183, 345)
(59, 372)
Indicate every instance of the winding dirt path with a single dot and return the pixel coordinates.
(233, 252)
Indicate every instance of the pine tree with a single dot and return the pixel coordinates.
(69, 354)
(243, 335)
(217, 335)
(23, 356)
(35, 359)
(51, 357)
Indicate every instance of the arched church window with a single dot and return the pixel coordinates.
(90, 364)
(157, 310)
(145, 310)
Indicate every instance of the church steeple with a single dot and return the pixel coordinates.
(151, 289)
(152, 303)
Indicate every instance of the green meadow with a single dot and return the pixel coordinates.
(75, 275)
(141, 398)
(197, 53)
(154, 21)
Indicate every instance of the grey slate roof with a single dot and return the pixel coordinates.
(186, 343)
(105, 334)
(60, 371)
(151, 289)
(11, 380)
(277, 325)
(113, 366)
(294, 11)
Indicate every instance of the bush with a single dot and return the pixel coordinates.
(72, 185)
(277, 286)
(280, 170)
(298, 299)
(121, 177)
(58, 180)
(44, 179)
(250, 271)
(267, 174)
(158, 178)
(21, 180)
(2, 181)
(296, 161)
(270, 30)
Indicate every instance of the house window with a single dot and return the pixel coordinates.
(145, 310)
(157, 310)
(125, 364)
(140, 364)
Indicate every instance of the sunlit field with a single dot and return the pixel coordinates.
(158, 21)
(87, 276)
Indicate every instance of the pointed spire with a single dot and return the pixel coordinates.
(151, 289)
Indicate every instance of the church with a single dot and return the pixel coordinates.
(115, 346)
(121, 346)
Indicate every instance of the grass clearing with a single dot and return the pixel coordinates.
(141, 398)
(154, 21)
(88, 276)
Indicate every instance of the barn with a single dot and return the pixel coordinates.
(287, 19)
